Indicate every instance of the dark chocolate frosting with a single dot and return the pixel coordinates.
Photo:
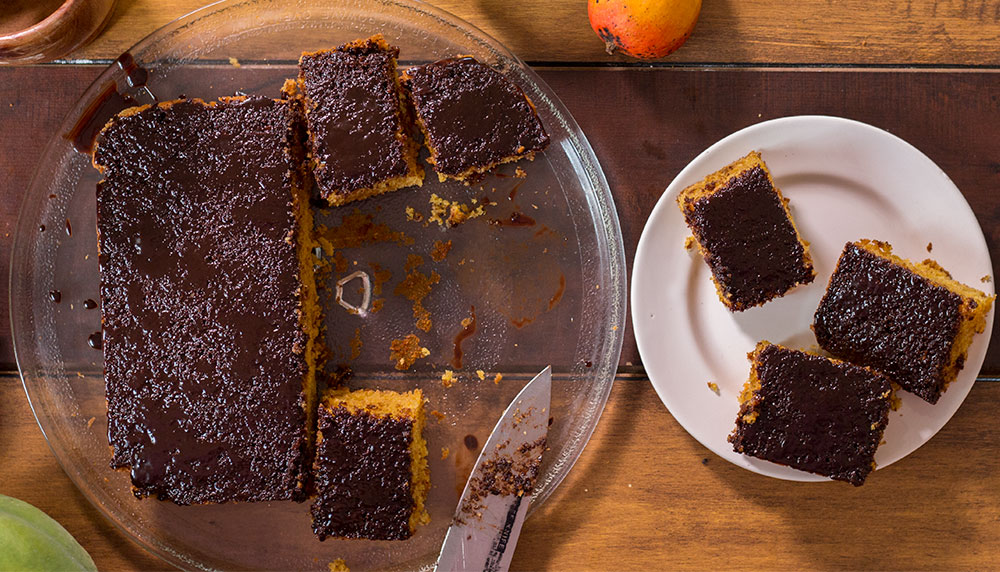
(814, 415)
(362, 476)
(472, 114)
(882, 315)
(199, 301)
(748, 240)
(354, 116)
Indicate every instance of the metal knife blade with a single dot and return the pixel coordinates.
(496, 497)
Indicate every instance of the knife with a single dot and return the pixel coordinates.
(488, 519)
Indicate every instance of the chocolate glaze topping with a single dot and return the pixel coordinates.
(749, 243)
(354, 115)
(199, 301)
(814, 415)
(362, 476)
(115, 96)
(472, 114)
(882, 315)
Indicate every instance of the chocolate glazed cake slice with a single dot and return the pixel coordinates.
(208, 300)
(908, 320)
(359, 142)
(473, 117)
(746, 234)
(812, 413)
(371, 465)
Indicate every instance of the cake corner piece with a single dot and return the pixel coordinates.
(359, 496)
(473, 117)
(812, 413)
(359, 142)
(935, 317)
(746, 234)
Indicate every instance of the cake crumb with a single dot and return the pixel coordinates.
(448, 379)
(437, 415)
(445, 451)
(986, 278)
(379, 277)
(452, 213)
(440, 250)
(338, 565)
(415, 287)
(413, 215)
(930, 246)
(78, 374)
(496, 380)
(519, 173)
(714, 387)
(235, 62)
(895, 402)
(481, 374)
(406, 351)
(90, 422)
(689, 243)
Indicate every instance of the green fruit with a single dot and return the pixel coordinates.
(31, 540)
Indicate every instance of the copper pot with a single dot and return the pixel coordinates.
(73, 24)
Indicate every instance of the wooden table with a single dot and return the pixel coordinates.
(644, 494)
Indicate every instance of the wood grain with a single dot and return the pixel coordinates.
(944, 32)
(645, 495)
(673, 114)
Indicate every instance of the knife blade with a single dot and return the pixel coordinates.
(496, 497)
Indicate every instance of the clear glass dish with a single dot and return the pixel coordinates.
(548, 293)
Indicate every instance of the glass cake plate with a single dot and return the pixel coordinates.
(549, 289)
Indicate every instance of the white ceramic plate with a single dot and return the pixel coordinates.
(846, 180)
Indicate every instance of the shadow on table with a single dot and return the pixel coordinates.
(920, 512)
(596, 475)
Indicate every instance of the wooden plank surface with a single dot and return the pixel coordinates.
(947, 32)
(685, 509)
(645, 496)
(672, 115)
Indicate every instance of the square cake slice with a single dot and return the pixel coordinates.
(812, 413)
(359, 142)
(746, 234)
(908, 320)
(473, 117)
(208, 300)
(370, 470)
